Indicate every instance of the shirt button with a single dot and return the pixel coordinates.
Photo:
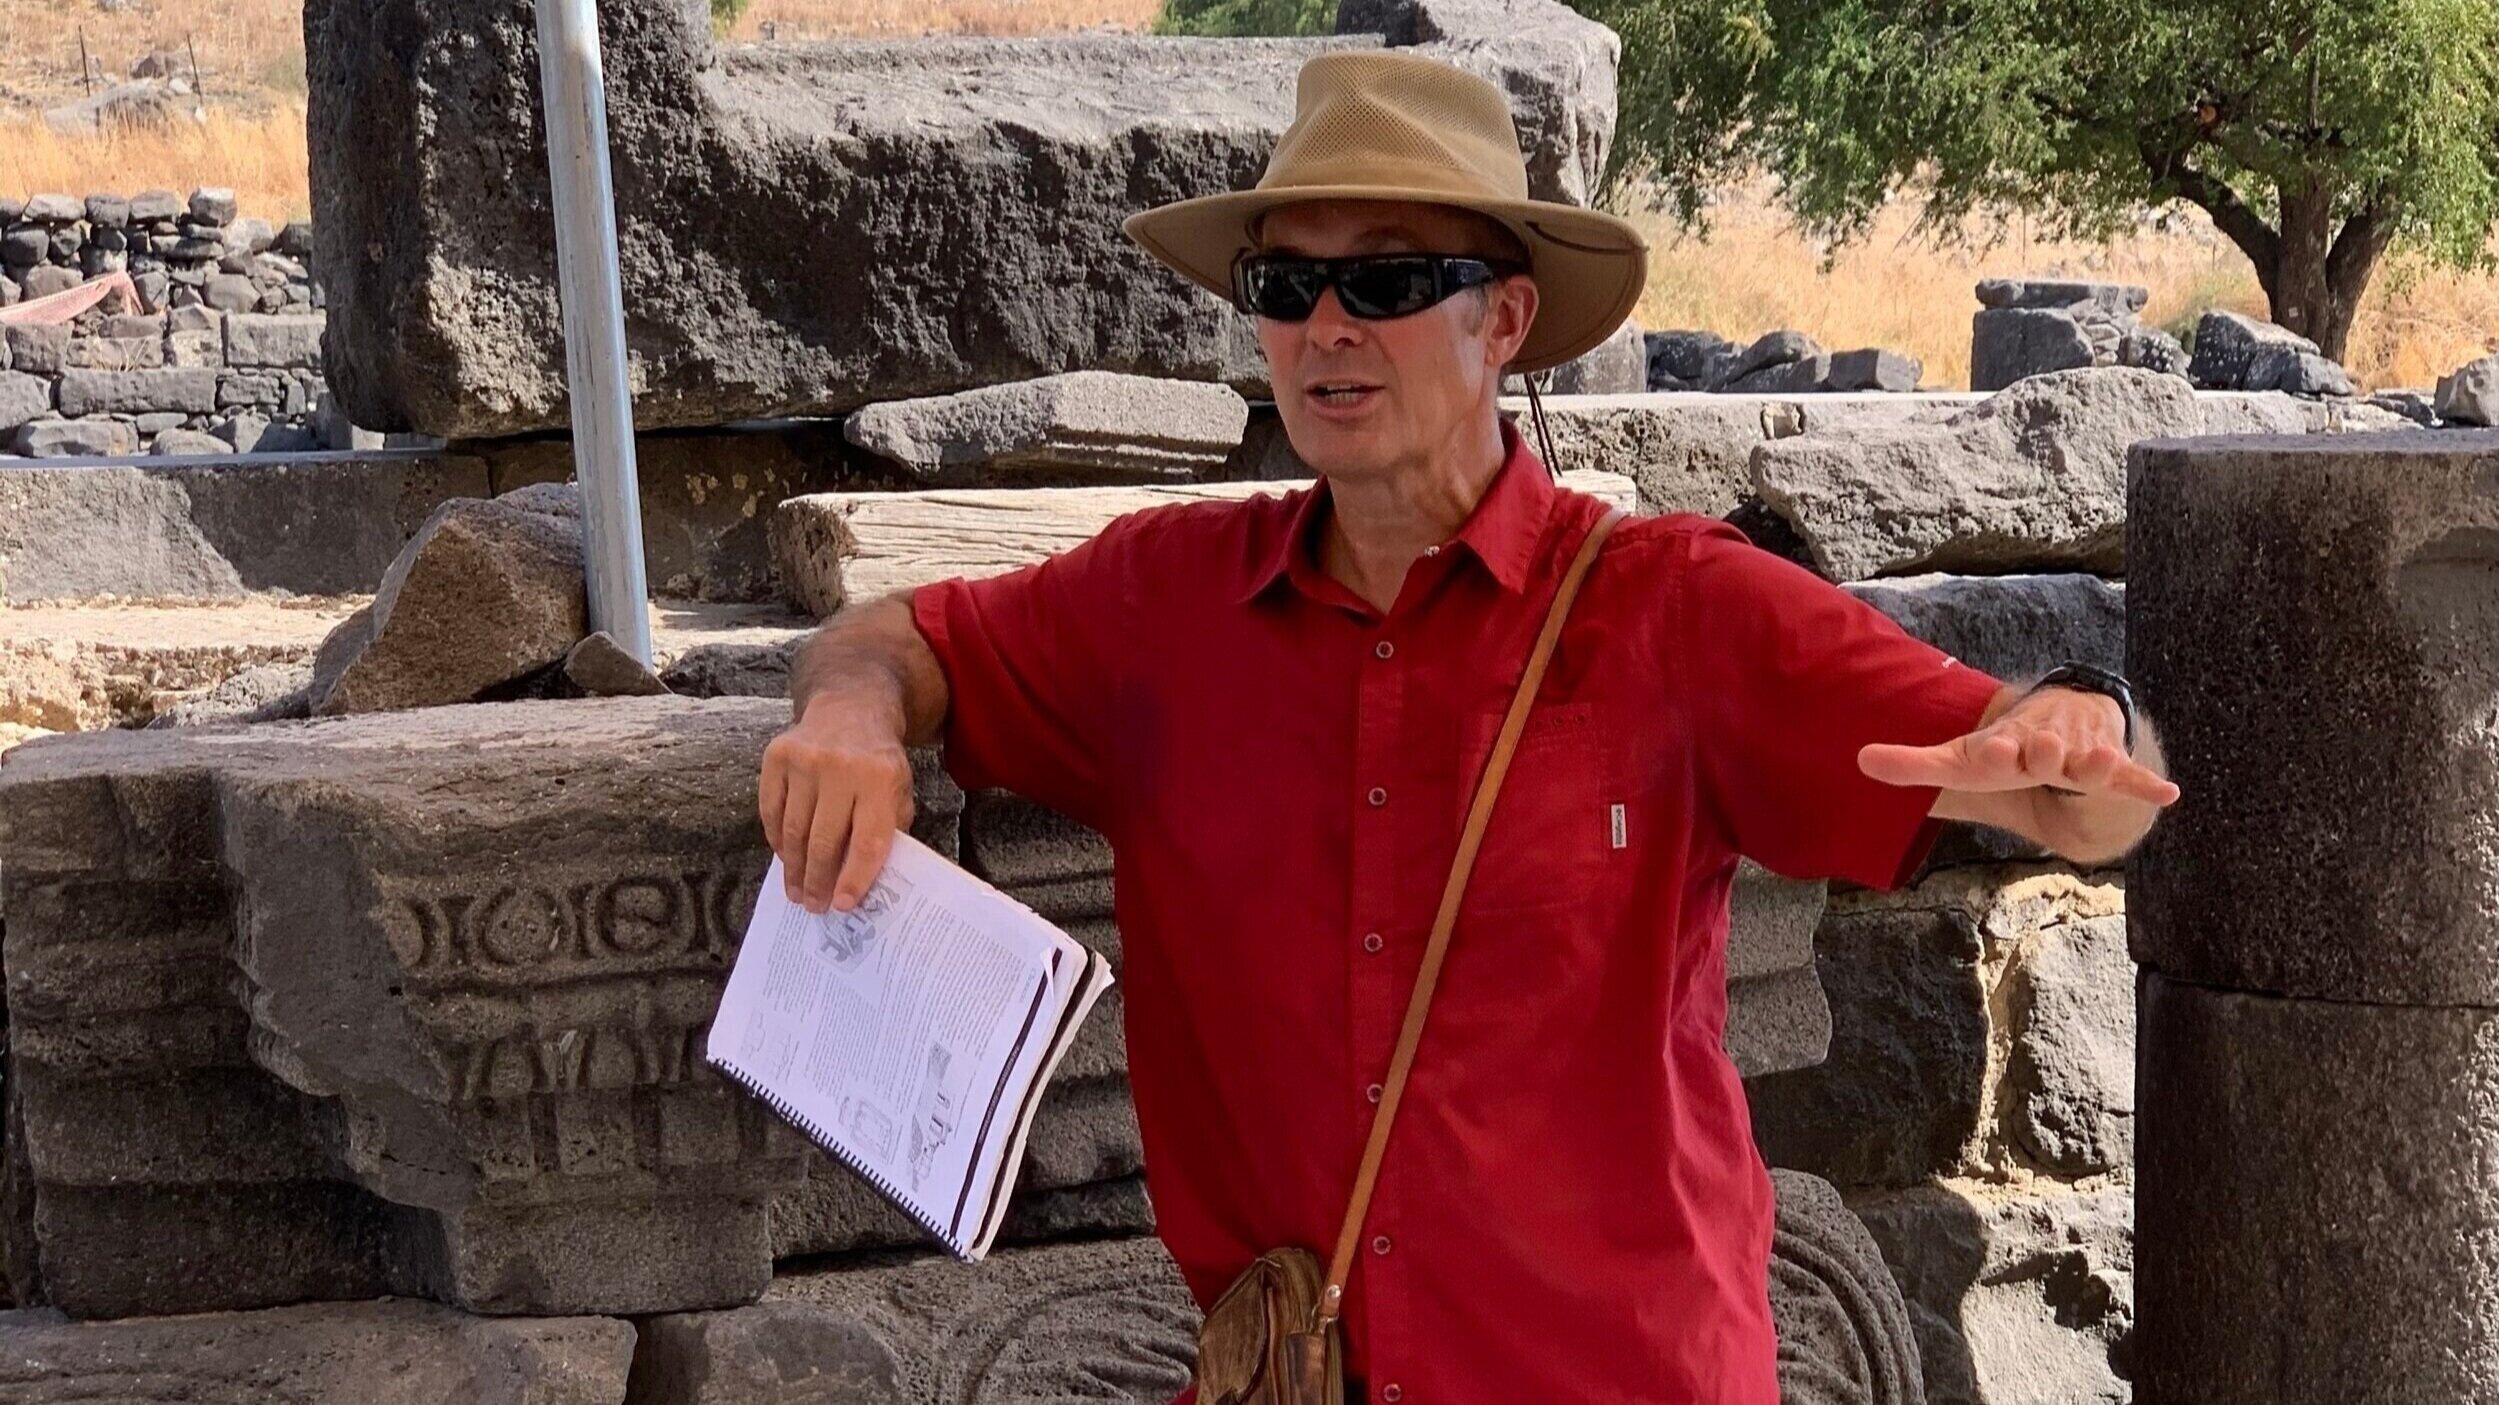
(1431, 551)
(1373, 1092)
(1379, 795)
(1384, 649)
(1372, 942)
(1392, 1393)
(1380, 1245)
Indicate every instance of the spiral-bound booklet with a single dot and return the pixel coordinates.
(910, 1037)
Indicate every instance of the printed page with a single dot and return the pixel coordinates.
(902, 1034)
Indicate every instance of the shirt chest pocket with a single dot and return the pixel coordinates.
(1558, 833)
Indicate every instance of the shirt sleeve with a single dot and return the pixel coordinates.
(1790, 676)
(1031, 658)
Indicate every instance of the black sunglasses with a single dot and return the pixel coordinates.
(1286, 287)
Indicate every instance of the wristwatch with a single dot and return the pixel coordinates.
(2093, 679)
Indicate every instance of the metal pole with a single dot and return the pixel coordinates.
(594, 320)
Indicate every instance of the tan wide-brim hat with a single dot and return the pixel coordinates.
(1373, 124)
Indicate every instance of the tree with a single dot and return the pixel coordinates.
(2316, 134)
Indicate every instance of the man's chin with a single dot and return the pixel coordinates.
(1340, 452)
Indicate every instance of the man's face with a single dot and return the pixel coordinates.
(1398, 389)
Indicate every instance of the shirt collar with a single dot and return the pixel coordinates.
(1503, 532)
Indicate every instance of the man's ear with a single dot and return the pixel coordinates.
(1513, 311)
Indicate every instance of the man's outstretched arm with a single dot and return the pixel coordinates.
(1998, 773)
(837, 782)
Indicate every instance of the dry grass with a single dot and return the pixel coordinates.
(826, 19)
(1756, 273)
(261, 156)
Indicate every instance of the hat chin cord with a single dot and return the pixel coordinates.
(1536, 413)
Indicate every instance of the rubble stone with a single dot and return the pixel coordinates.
(80, 438)
(22, 398)
(2470, 394)
(600, 668)
(1844, 1333)
(1085, 426)
(486, 593)
(2226, 344)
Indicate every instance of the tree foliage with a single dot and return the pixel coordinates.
(2315, 132)
(1245, 18)
(725, 13)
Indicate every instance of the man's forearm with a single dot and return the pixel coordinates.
(870, 662)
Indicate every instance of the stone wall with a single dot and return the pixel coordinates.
(217, 349)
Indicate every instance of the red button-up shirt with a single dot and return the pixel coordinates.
(1571, 1205)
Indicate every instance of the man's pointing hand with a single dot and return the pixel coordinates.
(2062, 737)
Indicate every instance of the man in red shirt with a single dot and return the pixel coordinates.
(1275, 709)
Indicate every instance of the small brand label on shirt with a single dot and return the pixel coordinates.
(1620, 837)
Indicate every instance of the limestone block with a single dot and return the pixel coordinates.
(1085, 426)
(1920, 1073)
(951, 273)
(2309, 855)
(2071, 1075)
(2014, 627)
(257, 339)
(2010, 343)
(1844, 1333)
(2033, 479)
(22, 398)
(191, 391)
(833, 548)
(486, 593)
(1692, 453)
(2016, 1297)
(2314, 1200)
(1110, 1319)
(2470, 393)
(384, 1353)
(99, 437)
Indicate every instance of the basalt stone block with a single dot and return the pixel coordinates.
(2014, 627)
(1844, 1333)
(37, 350)
(2008, 344)
(1616, 366)
(2314, 1201)
(386, 1353)
(2118, 299)
(458, 965)
(22, 398)
(2031, 480)
(192, 391)
(99, 437)
(1777, 1016)
(1874, 368)
(2226, 344)
(1692, 453)
(257, 339)
(951, 271)
(1085, 426)
(2470, 393)
(1110, 1320)
(2332, 743)
(601, 668)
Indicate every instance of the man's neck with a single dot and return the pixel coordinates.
(1375, 530)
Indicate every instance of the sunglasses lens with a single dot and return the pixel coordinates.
(1386, 287)
(1284, 289)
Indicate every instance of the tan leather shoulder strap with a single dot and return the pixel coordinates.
(1478, 815)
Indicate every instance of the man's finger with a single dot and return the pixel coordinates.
(770, 792)
(871, 843)
(798, 811)
(2043, 755)
(827, 838)
(2143, 783)
(1982, 760)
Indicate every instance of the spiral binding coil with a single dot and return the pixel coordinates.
(818, 1135)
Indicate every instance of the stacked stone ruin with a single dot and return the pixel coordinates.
(217, 349)
(373, 1039)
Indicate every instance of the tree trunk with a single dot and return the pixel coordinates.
(2319, 273)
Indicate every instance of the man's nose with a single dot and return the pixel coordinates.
(1330, 324)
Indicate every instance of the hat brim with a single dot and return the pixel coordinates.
(1589, 266)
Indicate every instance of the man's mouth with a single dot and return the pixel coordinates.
(1340, 394)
